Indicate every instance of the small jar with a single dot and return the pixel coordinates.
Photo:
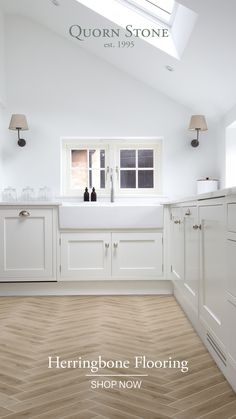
(28, 194)
(44, 194)
(9, 194)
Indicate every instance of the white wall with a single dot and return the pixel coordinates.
(2, 59)
(65, 91)
(2, 90)
(230, 146)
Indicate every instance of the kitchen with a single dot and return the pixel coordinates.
(146, 267)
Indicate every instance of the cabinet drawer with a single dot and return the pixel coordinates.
(232, 217)
(231, 267)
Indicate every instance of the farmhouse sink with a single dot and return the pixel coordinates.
(109, 215)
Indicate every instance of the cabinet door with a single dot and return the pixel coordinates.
(231, 329)
(177, 244)
(137, 255)
(212, 254)
(191, 255)
(26, 244)
(85, 256)
(231, 265)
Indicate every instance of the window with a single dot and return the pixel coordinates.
(135, 167)
(157, 9)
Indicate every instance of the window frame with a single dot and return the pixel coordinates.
(164, 17)
(112, 147)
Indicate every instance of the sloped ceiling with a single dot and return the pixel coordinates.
(204, 78)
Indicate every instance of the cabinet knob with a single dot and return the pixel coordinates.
(188, 212)
(196, 227)
(177, 222)
(115, 245)
(24, 214)
(107, 245)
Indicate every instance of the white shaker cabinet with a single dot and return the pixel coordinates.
(212, 266)
(185, 251)
(231, 283)
(137, 255)
(26, 244)
(177, 243)
(85, 256)
(111, 255)
(191, 255)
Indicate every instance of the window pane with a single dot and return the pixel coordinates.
(145, 179)
(145, 158)
(79, 178)
(128, 179)
(160, 9)
(102, 179)
(102, 158)
(127, 158)
(97, 179)
(79, 158)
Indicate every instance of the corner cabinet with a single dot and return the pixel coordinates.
(111, 255)
(26, 244)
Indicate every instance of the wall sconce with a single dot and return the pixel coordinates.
(19, 123)
(197, 123)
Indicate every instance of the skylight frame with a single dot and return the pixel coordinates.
(151, 10)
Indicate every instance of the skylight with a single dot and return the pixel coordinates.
(147, 16)
(157, 9)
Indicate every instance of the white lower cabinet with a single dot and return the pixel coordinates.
(137, 255)
(191, 255)
(85, 255)
(231, 284)
(231, 329)
(185, 251)
(134, 255)
(177, 244)
(26, 244)
(212, 265)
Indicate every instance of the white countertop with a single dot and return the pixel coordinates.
(30, 203)
(216, 194)
(165, 201)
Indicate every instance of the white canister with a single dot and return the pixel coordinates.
(207, 185)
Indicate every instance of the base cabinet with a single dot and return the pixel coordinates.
(231, 284)
(177, 244)
(212, 264)
(191, 255)
(26, 244)
(131, 255)
(85, 255)
(137, 255)
(185, 251)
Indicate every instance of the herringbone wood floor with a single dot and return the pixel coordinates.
(32, 328)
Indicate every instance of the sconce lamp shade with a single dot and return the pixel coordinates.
(18, 122)
(198, 122)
